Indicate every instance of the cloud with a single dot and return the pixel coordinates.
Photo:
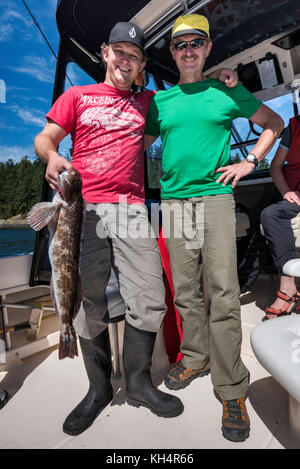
(12, 14)
(16, 153)
(29, 116)
(6, 31)
(41, 69)
(13, 22)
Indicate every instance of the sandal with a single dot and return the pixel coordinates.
(270, 312)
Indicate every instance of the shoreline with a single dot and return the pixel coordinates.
(17, 222)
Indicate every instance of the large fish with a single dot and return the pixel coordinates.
(64, 217)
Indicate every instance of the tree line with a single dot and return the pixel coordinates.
(20, 186)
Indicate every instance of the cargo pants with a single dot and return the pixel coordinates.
(119, 236)
(201, 232)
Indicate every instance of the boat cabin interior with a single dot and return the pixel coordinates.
(258, 39)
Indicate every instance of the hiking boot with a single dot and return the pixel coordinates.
(235, 421)
(179, 377)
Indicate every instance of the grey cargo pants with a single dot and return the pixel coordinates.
(120, 236)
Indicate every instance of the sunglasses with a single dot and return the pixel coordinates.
(194, 43)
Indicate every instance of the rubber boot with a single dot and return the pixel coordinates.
(97, 360)
(137, 354)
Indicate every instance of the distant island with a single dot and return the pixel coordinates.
(20, 190)
(19, 221)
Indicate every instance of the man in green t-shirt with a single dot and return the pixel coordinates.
(194, 120)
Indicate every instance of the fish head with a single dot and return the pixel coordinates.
(69, 183)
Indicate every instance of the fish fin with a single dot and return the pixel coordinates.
(67, 342)
(78, 299)
(41, 214)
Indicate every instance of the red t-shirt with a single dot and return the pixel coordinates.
(107, 129)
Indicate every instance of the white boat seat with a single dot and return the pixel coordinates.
(292, 268)
(242, 224)
(276, 344)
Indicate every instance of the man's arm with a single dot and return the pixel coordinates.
(45, 145)
(279, 179)
(272, 126)
(227, 76)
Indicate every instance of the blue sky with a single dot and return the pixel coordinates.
(27, 70)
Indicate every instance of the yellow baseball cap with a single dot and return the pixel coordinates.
(191, 24)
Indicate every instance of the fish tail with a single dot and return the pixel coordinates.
(67, 342)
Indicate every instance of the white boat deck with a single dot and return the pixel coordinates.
(44, 390)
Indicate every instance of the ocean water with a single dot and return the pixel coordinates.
(16, 242)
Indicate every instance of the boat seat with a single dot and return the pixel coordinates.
(242, 224)
(276, 344)
(295, 223)
(115, 306)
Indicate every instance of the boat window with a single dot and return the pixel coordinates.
(154, 153)
(154, 164)
(75, 76)
(244, 137)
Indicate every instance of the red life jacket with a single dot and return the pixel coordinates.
(292, 170)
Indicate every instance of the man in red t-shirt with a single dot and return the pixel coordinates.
(106, 122)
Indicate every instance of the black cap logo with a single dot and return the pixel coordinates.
(132, 33)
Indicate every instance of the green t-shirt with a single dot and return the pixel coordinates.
(194, 122)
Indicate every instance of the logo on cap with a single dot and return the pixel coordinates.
(132, 33)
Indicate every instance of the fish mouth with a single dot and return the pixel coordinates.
(68, 182)
(62, 179)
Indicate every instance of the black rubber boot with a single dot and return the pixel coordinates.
(97, 359)
(137, 354)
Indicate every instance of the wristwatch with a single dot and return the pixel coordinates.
(252, 159)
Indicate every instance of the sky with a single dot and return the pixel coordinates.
(27, 69)
(27, 73)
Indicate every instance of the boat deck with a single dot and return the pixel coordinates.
(44, 390)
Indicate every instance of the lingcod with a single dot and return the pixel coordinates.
(64, 217)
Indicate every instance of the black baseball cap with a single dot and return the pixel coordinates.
(128, 32)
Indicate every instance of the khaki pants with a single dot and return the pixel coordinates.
(201, 231)
(119, 236)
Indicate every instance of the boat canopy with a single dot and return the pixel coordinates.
(235, 25)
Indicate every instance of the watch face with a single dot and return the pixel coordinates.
(252, 159)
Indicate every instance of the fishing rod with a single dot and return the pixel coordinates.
(40, 29)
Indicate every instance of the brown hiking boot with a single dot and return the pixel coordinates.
(235, 421)
(179, 377)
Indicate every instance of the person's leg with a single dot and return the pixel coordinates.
(95, 271)
(276, 223)
(138, 266)
(91, 324)
(97, 361)
(180, 223)
(229, 375)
